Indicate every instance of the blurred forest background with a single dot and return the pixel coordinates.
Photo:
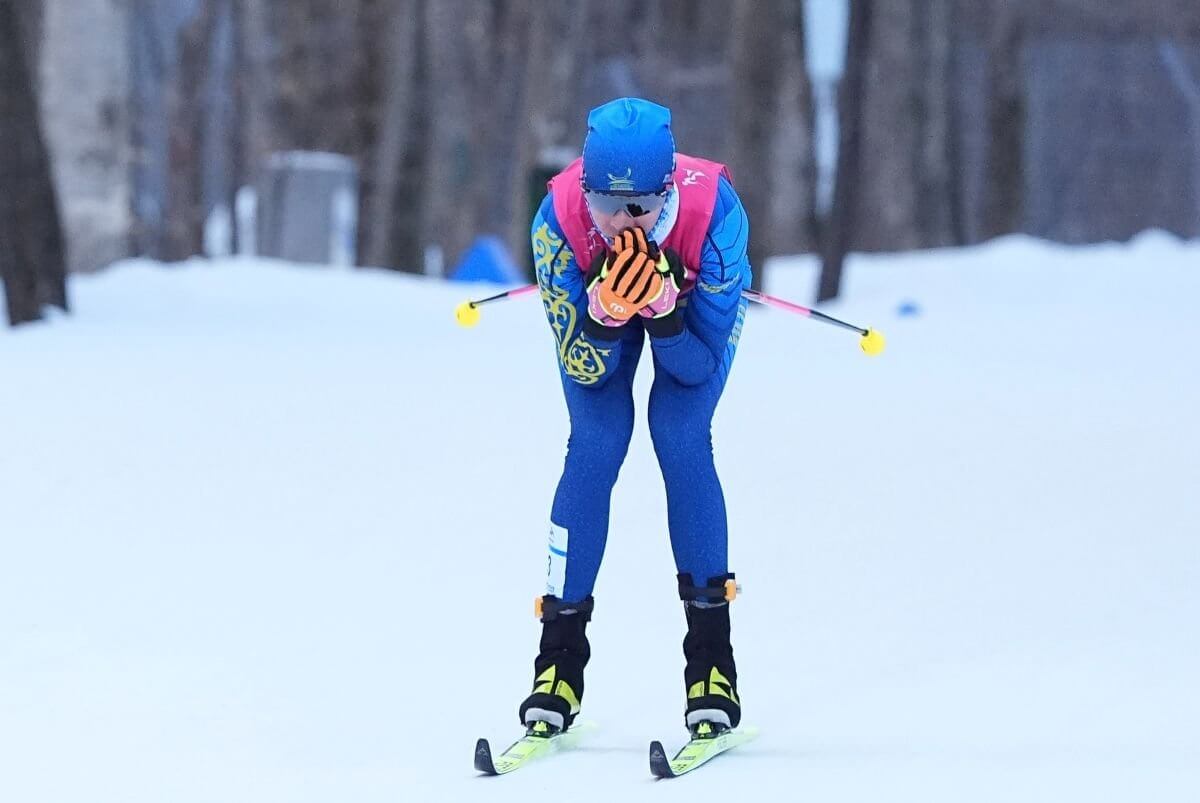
(127, 125)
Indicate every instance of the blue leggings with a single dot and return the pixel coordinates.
(680, 420)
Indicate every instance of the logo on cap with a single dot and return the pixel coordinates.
(621, 183)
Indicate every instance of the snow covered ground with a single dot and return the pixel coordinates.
(272, 533)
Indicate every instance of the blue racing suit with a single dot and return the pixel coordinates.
(690, 370)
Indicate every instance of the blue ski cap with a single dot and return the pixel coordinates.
(629, 149)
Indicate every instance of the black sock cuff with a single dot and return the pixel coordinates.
(553, 607)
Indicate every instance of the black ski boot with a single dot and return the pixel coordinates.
(710, 674)
(558, 669)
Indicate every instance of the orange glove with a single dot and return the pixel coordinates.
(625, 281)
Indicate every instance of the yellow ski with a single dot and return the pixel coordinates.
(696, 752)
(540, 740)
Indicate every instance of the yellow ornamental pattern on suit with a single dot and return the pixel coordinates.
(736, 334)
(582, 360)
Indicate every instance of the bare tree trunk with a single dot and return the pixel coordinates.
(694, 82)
(395, 134)
(905, 129)
(500, 126)
(934, 211)
(32, 259)
(84, 90)
(771, 153)
(1003, 203)
(755, 56)
(321, 78)
(793, 206)
(473, 53)
(446, 212)
(31, 21)
(556, 35)
(187, 110)
(253, 89)
(956, 149)
(488, 141)
(841, 225)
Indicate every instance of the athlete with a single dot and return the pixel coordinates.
(632, 242)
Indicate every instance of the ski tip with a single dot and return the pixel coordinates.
(660, 765)
(483, 757)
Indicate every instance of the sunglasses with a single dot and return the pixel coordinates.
(607, 203)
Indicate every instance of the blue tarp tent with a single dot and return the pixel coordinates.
(487, 260)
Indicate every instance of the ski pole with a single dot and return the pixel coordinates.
(871, 341)
(467, 313)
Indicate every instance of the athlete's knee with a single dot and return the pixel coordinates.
(680, 430)
(601, 438)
